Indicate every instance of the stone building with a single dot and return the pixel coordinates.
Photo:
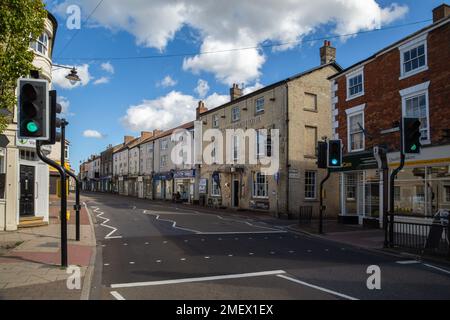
(299, 107)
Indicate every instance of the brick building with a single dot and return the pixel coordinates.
(409, 78)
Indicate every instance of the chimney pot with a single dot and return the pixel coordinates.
(235, 92)
(200, 109)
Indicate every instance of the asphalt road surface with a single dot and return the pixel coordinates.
(160, 250)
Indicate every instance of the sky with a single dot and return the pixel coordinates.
(130, 55)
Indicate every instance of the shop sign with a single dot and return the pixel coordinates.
(184, 174)
(203, 186)
(358, 161)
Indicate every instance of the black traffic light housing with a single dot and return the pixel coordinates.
(55, 108)
(334, 159)
(411, 135)
(322, 147)
(33, 109)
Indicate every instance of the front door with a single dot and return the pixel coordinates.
(235, 193)
(26, 203)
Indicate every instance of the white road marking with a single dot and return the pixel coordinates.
(158, 261)
(272, 252)
(207, 257)
(109, 235)
(250, 253)
(437, 268)
(200, 279)
(186, 240)
(317, 287)
(164, 242)
(230, 255)
(131, 262)
(407, 262)
(106, 264)
(125, 244)
(117, 295)
(183, 259)
(146, 243)
(291, 251)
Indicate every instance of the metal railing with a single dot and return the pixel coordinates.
(429, 235)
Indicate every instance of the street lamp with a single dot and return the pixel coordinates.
(72, 76)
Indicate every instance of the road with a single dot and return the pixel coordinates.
(155, 250)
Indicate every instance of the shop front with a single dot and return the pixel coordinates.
(184, 185)
(163, 185)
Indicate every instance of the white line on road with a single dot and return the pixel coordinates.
(437, 268)
(200, 279)
(117, 295)
(103, 224)
(408, 262)
(317, 287)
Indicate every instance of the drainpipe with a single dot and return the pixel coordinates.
(287, 145)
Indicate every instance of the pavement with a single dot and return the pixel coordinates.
(161, 250)
(30, 260)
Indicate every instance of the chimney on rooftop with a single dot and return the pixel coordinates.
(156, 132)
(127, 139)
(200, 109)
(146, 134)
(327, 53)
(235, 92)
(441, 12)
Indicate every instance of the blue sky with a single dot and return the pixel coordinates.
(135, 87)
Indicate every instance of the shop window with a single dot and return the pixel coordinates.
(350, 185)
(310, 184)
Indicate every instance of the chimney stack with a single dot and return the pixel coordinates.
(327, 53)
(235, 92)
(146, 134)
(200, 109)
(156, 132)
(441, 12)
(127, 139)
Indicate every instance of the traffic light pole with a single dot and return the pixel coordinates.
(321, 207)
(63, 216)
(391, 188)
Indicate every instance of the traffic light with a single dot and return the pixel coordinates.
(411, 135)
(322, 155)
(33, 109)
(334, 154)
(55, 122)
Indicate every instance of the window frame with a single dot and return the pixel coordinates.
(263, 105)
(352, 112)
(256, 183)
(215, 121)
(215, 187)
(34, 44)
(351, 75)
(416, 91)
(235, 118)
(410, 45)
(314, 185)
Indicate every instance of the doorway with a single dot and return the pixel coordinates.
(27, 181)
(235, 193)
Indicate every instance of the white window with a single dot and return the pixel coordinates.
(215, 189)
(235, 147)
(415, 105)
(215, 121)
(235, 114)
(259, 105)
(355, 84)
(163, 161)
(413, 57)
(355, 128)
(40, 44)
(260, 144)
(310, 185)
(350, 185)
(260, 185)
(164, 144)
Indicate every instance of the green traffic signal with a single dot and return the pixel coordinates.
(413, 147)
(32, 127)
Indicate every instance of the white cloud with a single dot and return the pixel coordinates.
(92, 134)
(65, 105)
(167, 111)
(202, 88)
(108, 67)
(167, 82)
(252, 88)
(234, 24)
(101, 80)
(59, 77)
